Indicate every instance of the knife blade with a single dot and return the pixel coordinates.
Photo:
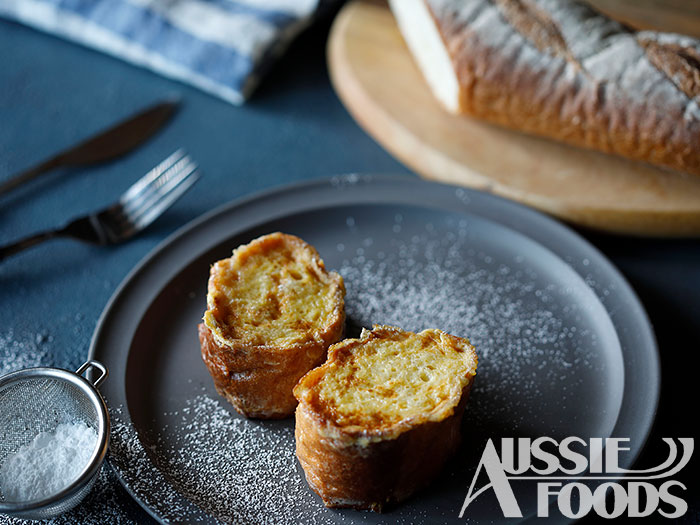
(106, 145)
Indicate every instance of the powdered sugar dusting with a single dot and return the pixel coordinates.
(228, 468)
(537, 342)
(18, 354)
(105, 503)
(513, 315)
(48, 464)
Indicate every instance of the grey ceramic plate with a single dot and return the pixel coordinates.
(565, 347)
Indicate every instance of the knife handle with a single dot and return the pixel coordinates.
(31, 173)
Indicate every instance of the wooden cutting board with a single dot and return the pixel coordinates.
(377, 80)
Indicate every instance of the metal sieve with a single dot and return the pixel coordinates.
(37, 400)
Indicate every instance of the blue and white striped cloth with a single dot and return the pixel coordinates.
(221, 46)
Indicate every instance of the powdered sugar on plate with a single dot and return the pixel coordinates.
(526, 312)
(217, 466)
(512, 313)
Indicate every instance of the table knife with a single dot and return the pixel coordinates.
(106, 145)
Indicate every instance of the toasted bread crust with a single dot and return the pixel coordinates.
(254, 370)
(372, 466)
(378, 474)
(560, 69)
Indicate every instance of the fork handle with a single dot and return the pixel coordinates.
(22, 244)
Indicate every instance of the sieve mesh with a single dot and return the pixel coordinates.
(34, 405)
(36, 402)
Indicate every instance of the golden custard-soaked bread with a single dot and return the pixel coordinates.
(380, 417)
(272, 312)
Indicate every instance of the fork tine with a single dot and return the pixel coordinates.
(139, 215)
(157, 187)
(152, 176)
(138, 207)
(127, 218)
(174, 193)
(166, 183)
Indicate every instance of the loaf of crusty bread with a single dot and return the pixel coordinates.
(559, 69)
(272, 312)
(380, 417)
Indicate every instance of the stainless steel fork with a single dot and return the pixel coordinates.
(138, 207)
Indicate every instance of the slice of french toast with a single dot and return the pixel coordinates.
(272, 312)
(380, 417)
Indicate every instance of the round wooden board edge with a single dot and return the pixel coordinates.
(642, 223)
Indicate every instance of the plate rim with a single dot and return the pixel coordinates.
(466, 195)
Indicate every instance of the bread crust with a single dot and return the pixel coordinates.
(366, 467)
(559, 69)
(257, 378)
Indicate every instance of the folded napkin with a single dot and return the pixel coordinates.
(221, 46)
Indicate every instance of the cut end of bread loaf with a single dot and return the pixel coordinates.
(274, 291)
(562, 70)
(423, 38)
(389, 380)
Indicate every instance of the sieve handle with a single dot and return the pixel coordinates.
(94, 364)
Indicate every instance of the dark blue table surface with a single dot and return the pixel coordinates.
(53, 93)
